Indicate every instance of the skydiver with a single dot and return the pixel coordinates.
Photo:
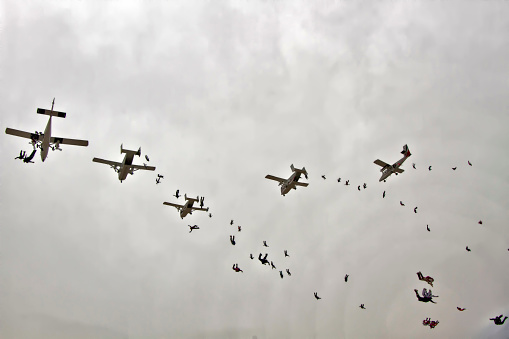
(383, 195)
(346, 278)
(265, 244)
(22, 155)
(288, 272)
(316, 296)
(498, 321)
(413, 165)
(176, 195)
(194, 227)
(426, 321)
(201, 201)
(468, 249)
(401, 203)
(469, 163)
(281, 274)
(454, 168)
(286, 254)
(433, 324)
(427, 227)
(427, 279)
(323, 176)
(359, 188)
(160, 176)
(264, 259)
(347, 182)
(415, 210)
(239, 227)
(146, 157)
(231, 222)
(480, 222)
(210, 215)
(362, 306)
(424, 298)
(364, 185)
(460, 309)
(339, 179)
(272, 265)
(30, 157)
(251, 256)
(158, 181)
(236, 268)
(232, 239)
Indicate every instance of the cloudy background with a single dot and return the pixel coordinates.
(218, 95)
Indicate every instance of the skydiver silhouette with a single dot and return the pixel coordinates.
(286, 254)
(339, 179)
(429, 168)
(281, 274)
(232, 239)
(468, 249)
(231, 222)
(264, 259)
(427, 296)
(236, 268)
(469, 163)
(427, 279)
(22, 155)
(265, 244)
(28, 159)
(498, 320)
(272, 265)
(158, 181)
(316, 296)
(201, 201)
(323, 176)
(413, 165)
(362, 306)
(288, 272)
(427, 227)
(239, 228)
(210, 215)
(176, 195)
(415, 210)
(251, 256)
(347, 182)
(359, 188)
(460, 309)
(433, 324)
(346, 278)
(364, 185)
(194, 227)
(383, 194)
(426, 321)
(454, 168)
(401, 203)
(480, 222)
(160, 176)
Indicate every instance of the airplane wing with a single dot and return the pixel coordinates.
(271, 177)
(23, 134)
(107, 162)
(399, 170)
(138, 167)
(303, 184)
(381, 163)
(172, 204)
(68, 141)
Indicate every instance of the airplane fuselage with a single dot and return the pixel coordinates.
(186, 209)
(125, 168)
(46, 140)
(289, 183)
(388, 170)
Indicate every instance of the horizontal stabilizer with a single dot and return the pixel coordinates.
(147, 168)
(66, 141)
(50, 112)
(381, 163)
(399, 170)
(303, 184)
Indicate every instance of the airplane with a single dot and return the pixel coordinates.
(126, 166)
(387, 169)
(45, 141)
(292, 181)
(187, 208)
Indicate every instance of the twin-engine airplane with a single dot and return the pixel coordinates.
(126, 166)
(187, 208)
(292, 181)
(45, 141)
(387, 169)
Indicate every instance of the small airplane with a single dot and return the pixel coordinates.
(387, 169)
(126, 166)
(45, 141)
(292, 181)
(187, 208)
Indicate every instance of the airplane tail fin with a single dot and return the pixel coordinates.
(406, 151)
(302, 171)
(51, 112)
(123, 150)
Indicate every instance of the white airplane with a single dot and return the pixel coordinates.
(387, 169)
(45, 141)
(126, 166)
(292, 181)
(187, 208)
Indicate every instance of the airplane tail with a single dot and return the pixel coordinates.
(51, 112)
(302, 171)
(406, 151)
(123, 150)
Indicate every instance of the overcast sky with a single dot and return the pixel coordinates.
(219, 94)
